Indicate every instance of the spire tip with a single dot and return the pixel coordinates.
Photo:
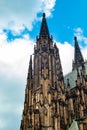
(44, 15)
(75, 38)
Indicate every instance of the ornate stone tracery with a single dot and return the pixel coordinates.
(49, 104)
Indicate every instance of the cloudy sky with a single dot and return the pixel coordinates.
(19, 25)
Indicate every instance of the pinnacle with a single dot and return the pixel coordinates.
(44, 32)
(44, 15)
(78, 58)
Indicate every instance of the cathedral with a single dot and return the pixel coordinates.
(52, 100)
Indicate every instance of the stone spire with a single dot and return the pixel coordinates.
(44, 86)
(30, 69)
(78, 58)
(44, 32)
(48, 104)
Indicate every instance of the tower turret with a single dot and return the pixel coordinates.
(44, 85)
(78, 58)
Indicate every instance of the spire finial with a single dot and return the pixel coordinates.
(44, 15)
(75, 38)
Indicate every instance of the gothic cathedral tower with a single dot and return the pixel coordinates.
(43, 107)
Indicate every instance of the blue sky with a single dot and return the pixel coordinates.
(20, 22)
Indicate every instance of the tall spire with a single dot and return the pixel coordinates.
(30, 69)
(78, 58)
(44, 32)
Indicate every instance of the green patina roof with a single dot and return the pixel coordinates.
(72, 76)
(74, 126)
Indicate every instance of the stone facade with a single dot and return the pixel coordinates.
(49, 104)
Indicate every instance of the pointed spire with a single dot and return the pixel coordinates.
(30, 69)
(44, 32)
(78, 58)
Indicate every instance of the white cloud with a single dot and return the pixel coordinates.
(80, 35)
(2, 124)
(14, 62)
(66, 52)
(47, 6)
(15, 54)
(11, 101)
(78, 30)
(84, 52)
(16, 13)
